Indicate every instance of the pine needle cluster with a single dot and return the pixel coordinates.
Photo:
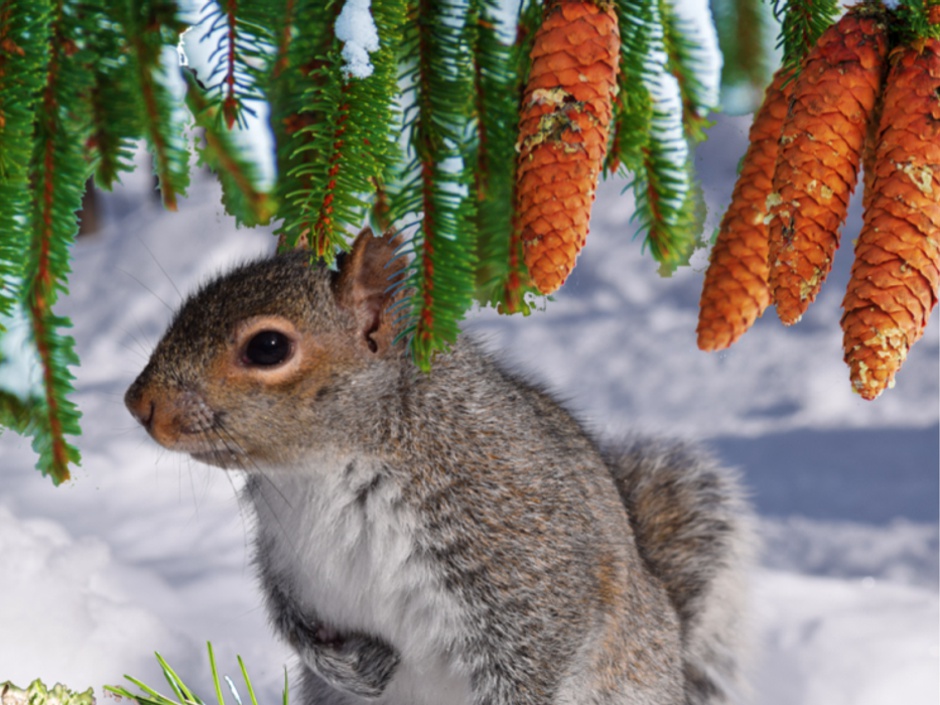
(409, 120)
(183, 694)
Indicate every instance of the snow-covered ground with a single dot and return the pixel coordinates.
(147, 551)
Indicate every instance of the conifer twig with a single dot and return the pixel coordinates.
(240, 191)
(438, 183)
(60, 174)
(146, 26)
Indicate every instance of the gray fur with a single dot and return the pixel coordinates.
(455, 537)
(695, 531)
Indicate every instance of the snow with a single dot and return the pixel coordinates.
(864, 642)
(147, 551)
(80, 599)
(356, 28)
(19, 359)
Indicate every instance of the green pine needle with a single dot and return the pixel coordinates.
(912, 21)
(301, 152)
(496, 90)
(801, 24)
(116, 106)
(24, 39)
(688, 62)
(652, 132)
(60, 172)
(184, 695)
(243, 46)
(344, 144)
(742, 27)
(242, 194)
(152, 26)
(438, 185)
(425, 143)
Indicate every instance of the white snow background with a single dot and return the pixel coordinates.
(148, 551)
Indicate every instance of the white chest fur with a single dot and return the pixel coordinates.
(340, 535)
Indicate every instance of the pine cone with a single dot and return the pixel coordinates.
(735, 291)
(895, 277)
(563, 129)
(821, 146)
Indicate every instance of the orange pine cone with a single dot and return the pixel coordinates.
(563, 129)
(735, 291)
(896, 274)
(821, 146)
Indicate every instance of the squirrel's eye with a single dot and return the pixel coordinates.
(269, 347)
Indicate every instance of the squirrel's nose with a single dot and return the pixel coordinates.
(141, 405)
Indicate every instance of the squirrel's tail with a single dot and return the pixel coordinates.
(695, 532)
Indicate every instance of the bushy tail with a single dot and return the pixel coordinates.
(695, 532)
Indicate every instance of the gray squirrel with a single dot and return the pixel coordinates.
(453, 537)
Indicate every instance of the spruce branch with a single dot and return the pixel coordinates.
(327, 202)
(239, 57)
(60, 172)
(116, 108)
(801, 24)
(24, 57)
(917, 20)
(690, 60)
(497, 84)
(382, 93)
(438, 183)
(16, 414)
(741, 26)
(284, 26)
(345, 135)
(279, 87)
(82, 80)
(652, 133)
(298, 76)
(241, 194)
(153, 25)
(515, 284)
(634, 102)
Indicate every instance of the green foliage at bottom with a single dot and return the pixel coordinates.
(37, 693)
(183, 694)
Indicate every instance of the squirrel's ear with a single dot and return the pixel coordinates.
(366, 286)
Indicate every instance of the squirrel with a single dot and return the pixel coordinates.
(452, 537)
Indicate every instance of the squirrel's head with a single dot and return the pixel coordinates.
(254, 358)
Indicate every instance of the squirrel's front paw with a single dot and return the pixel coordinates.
(354, 662)
(360, 664)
